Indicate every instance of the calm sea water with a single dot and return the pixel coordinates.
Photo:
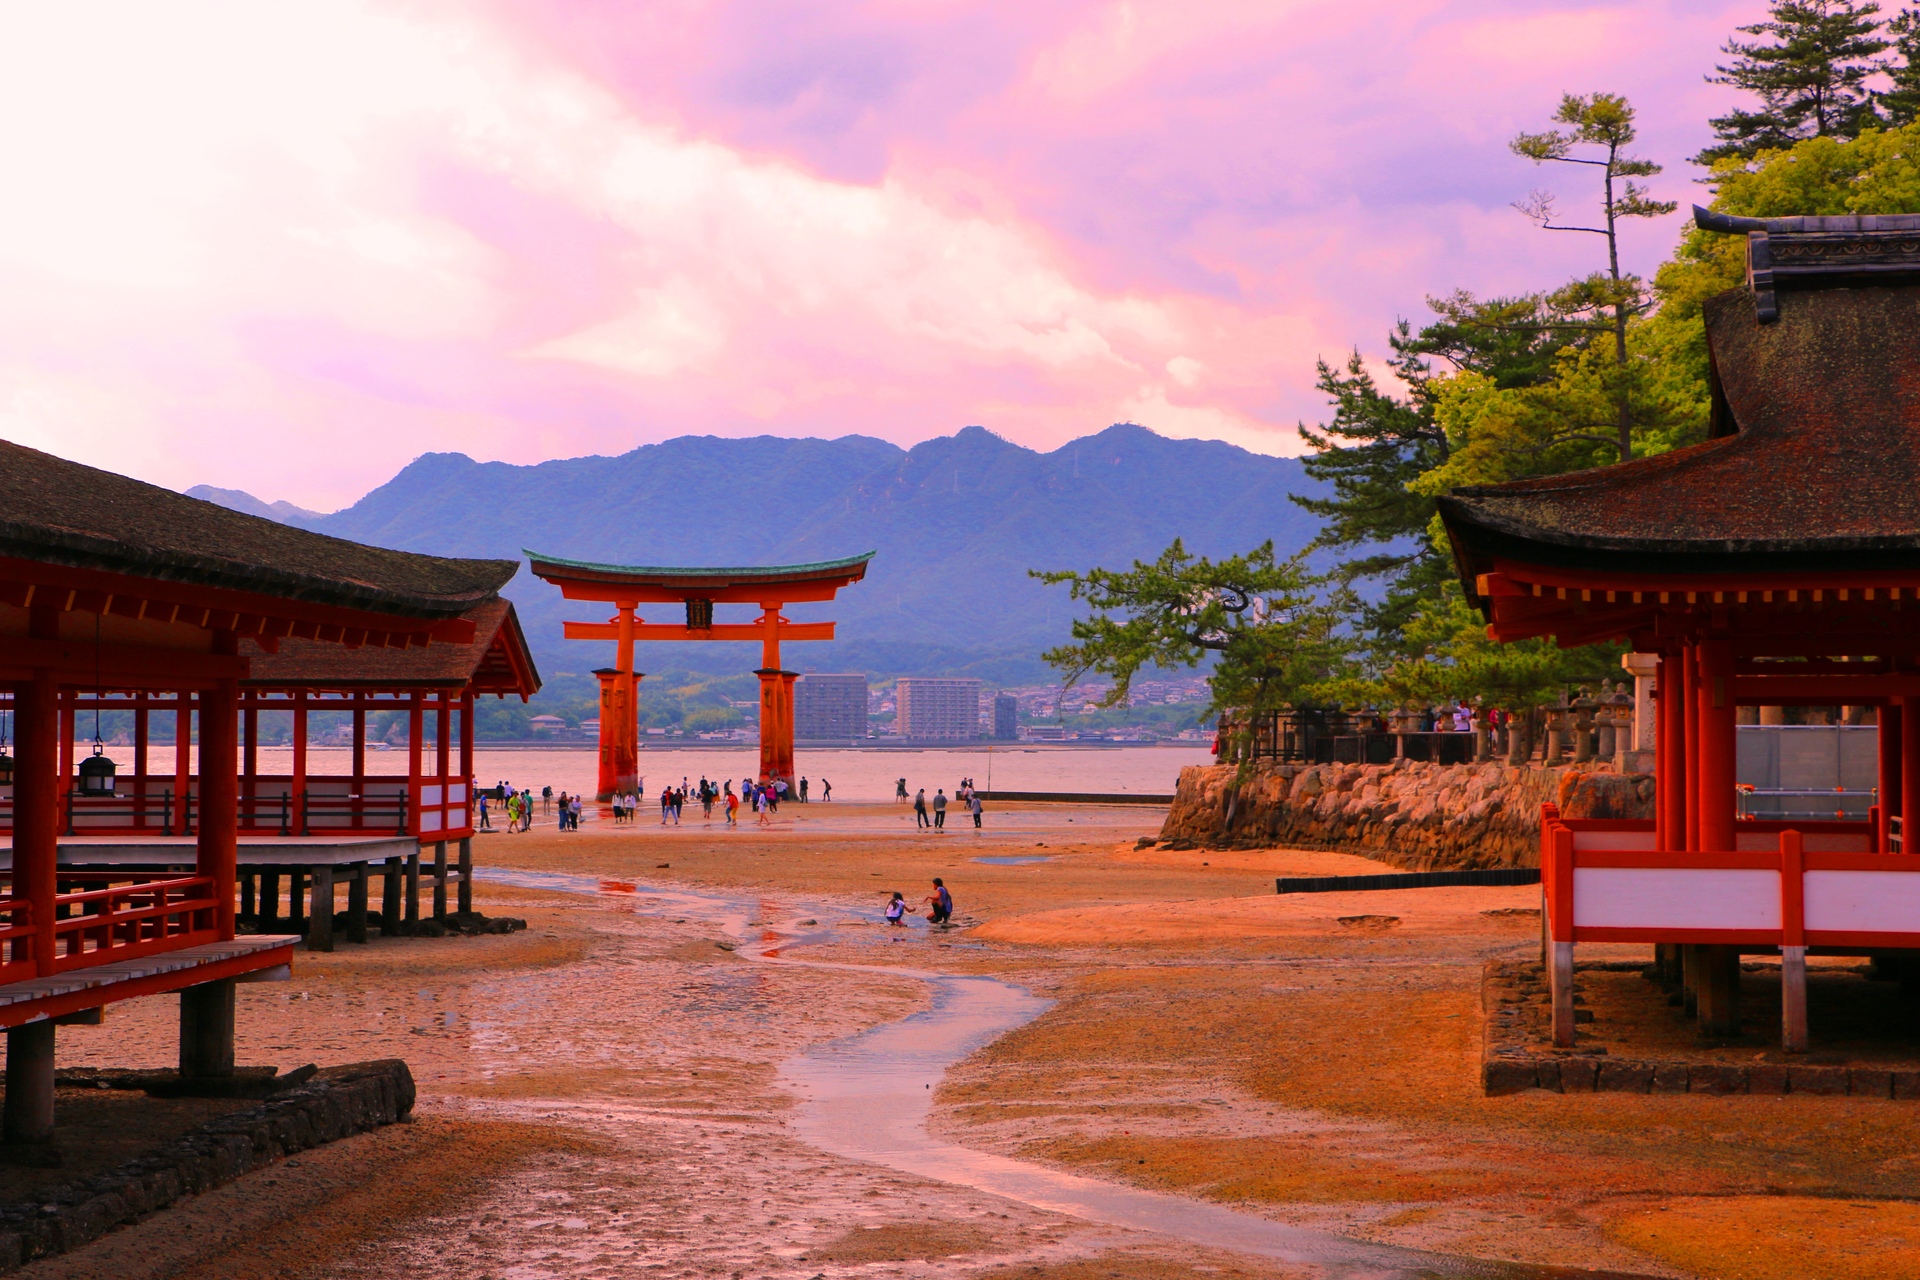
(856, 775)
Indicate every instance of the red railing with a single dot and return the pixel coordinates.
(124, 922)
(16, 940)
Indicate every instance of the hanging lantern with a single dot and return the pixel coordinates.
(96, 773)
(6, 768)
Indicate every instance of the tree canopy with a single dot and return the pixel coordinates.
(1809, 71)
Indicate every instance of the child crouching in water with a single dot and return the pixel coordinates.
(898, 911)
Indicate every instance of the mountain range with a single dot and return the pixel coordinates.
(955, 522)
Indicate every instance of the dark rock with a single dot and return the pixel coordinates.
(1578, 1075)
(1625, 1077)
(1669, 1077)
(1906, 1084)
(1716, 1079)
(1869, 1082)
(1824, 1081)
(1502, 1077)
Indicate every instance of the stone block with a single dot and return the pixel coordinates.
(1669, 1077)
(1578, 1075)
(1547, 1074)
(1716, 1079)
(1869, 1082)
(1906, 1084)
(1625, 1077)
(1828, 1082)
(1502, 1076)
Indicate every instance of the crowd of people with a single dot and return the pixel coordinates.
(931, 815)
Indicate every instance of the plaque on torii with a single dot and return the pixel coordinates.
(770, 588)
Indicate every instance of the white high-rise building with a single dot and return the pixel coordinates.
(937, 707)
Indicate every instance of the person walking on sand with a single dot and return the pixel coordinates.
(733, 807)
(666, 804)
(484, 824)
(803, 789)
(763, 804)
(826, 792)
(939, 904)
(973, 803)
(899, 790)
(939, 809)
(920, 810)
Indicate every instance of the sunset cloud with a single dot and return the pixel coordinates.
(289, 247)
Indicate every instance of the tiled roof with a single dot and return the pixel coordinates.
(497, 661)
(57, 512)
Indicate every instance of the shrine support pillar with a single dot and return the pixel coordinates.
(1668, 796)
(183, 765)
(619, 731)
(219, 844)
(776, 723)
(28, 1115)
(1888, 735)
(1717, 730)
(1690, 751)
(1909, 767)
(297, 790)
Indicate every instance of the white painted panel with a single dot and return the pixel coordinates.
(429, 820)
(1638, 841)
(1675, 898)
(430, 794)
(1864, 901)
(456, 793)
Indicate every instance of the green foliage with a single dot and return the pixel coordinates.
(1272, 641)
(1809, 72)
(1450, 659)
(1379, 443)
(1900, 105)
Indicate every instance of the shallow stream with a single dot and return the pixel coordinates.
(868, 1096)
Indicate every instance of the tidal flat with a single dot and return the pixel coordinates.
(609, 1093)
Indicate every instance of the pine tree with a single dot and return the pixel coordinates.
(1810, 79)
(1901, 104)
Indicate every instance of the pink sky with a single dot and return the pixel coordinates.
(288, 247)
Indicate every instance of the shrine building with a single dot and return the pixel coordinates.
(1775, 564)
(121, 595)
(769, 588)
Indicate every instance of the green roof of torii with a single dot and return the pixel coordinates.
(680, 573)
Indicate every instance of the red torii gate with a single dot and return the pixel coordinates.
(626, 587)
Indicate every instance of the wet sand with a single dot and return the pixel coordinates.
(600, 1095)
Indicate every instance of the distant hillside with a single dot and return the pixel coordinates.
(957, 522)
(241, 500)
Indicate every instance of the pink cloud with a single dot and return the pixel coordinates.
(289, 247)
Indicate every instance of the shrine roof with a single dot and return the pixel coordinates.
(497, 661)
(53, 511)
(1813, 464)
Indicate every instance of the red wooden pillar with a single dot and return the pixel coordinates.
(297, 791)
(1909, 771)
(69, 698)
(37, 815)
(250, 755)
(415, 730)
(140, 760)
(1717, 730)
(1690, 742)
(219, 843)
(1891, 743)
(443, 748)
(466, 742)
(359, 784)
(182, 762)
(1666, 780)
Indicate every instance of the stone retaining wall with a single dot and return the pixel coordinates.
(337, 1103)
(1408, 814)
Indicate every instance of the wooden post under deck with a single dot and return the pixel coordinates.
(466, 875)
(439, 879)
(320, 919)
(390, 898)
(413, 887)
(206, 1030)
(357, 904)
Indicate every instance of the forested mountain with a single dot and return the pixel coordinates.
(956, 522)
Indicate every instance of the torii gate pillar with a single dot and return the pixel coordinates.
(776, 723)
(619, 731)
